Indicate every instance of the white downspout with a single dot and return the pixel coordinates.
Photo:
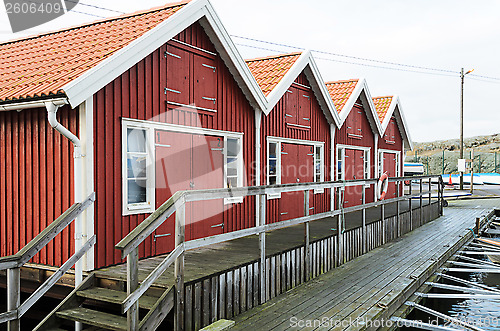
(77, 156)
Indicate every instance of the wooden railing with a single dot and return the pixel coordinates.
(129, 245)
(13, 263)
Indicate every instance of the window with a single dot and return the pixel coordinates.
(274, 148)
(272, 164)
(233, 166)
(342, 162)
(138, 182)
(380, 163)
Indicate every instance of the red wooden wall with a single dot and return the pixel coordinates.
(275, 125)
(355, 125)
(36, 181)
(138, 94)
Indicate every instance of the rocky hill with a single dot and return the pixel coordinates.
(485, 150)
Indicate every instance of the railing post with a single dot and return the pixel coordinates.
(398, 220)
(262, 248)
(363, 235)
(180, 225)
(339, 230)
(383, 221)
(410, 207)
(440, 195)
(132, 284)
(421, 201)
(307, 249)
(13, 296)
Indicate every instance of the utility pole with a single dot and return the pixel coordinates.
(462, 76)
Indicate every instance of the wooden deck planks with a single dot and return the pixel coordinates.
(354, 289)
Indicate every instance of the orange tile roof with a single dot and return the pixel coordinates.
(41, 65)
(268, 71)
(382, 105)
(341, 91)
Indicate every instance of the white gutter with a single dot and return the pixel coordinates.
(32, 104)
(78, 161)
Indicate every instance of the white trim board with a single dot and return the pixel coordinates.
(361, 91)
(396, 110)
(105, 72)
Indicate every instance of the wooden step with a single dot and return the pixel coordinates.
(116, 297)
(95, 318)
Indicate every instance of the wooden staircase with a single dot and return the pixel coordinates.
(99, 308)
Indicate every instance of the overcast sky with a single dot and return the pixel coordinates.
(438, 34)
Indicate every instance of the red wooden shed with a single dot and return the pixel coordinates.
(296, 133)
(356, 139)
(394, 139)
(170, 86)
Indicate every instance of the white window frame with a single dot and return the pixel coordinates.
(381, 160)
(366, 160)
(149, 205)
(151, 127)
(278, 141)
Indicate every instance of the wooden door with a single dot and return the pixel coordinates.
(173, 173)
(178, 76)
(390, 167)
(354, 169)
(297, 166)
(205, 82)
(208, 173)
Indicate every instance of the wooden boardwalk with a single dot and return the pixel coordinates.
(374, 285)
(214, 259)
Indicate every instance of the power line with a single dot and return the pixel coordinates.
(356, 63)
(97, 7)
(435, 71)
(350, 56)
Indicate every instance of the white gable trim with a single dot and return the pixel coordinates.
(396, 110)
(83, 87)
(361, 89)
(305, 61)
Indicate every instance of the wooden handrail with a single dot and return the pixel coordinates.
(147, 227)
(14, 262)
(50, 232)
(135, 237)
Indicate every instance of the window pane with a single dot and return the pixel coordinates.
(272, 150)
(272, 180)
(136, 191)
(232, 182)
(272, 167)
(136, 166)
(233, 147)
(136, 140)
(318, 153)
(318, 177)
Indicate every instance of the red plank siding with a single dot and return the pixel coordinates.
(36, 184)
(275, 125)
(343, 137)
(138, 94)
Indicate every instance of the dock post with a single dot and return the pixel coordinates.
(180, 225)
(262, 248)
(307, 248)
(478, 225)
(364, 221)
(132, 284)
(13, 296)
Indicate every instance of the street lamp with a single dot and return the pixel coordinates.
(462, 76)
